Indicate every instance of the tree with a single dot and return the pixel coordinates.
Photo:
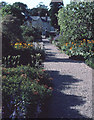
(40, 9)
(18, 10)
(2, 4)
(10, 32)
(55, 6)
(76, 21)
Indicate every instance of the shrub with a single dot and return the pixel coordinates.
(24, 87)
(25, 56)
(76, 30)
(30, 34)
(76, 21)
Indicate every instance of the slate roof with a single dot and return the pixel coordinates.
(56, 0)
(35, 18)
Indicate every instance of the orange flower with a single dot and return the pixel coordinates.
(66, 44)
(84, 40)
(92, 41)
(71, 48)
(72, 42)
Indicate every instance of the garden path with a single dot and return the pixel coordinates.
(72, 80)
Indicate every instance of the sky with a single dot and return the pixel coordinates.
(34, 3)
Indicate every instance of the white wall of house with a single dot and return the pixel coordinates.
(37, 22)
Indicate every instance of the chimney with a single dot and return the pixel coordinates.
(46, 17)
(39, 13)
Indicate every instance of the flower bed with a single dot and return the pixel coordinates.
(24, 54)
(82, 50)
(24, 87)
(77, 30)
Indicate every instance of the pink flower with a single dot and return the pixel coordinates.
(50, 88)
(50, 78)
(45, 86)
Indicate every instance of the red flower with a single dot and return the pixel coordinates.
(45, 86)
(43, 70)
(35, 93)
(37, 80)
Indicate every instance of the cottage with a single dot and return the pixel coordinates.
(42, 23)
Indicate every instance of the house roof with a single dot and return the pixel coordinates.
(56, 0)
(35, 18)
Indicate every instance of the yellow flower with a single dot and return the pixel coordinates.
(20, 43)
(16, 43)
(29, 44)
(15, 46)
(71, 48)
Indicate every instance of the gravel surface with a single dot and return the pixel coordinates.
(72, 80)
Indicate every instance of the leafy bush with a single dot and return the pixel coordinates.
(24, 56)
(30, 34)
(76, 21)
(76, 30)
(25, 87)
(10, 32)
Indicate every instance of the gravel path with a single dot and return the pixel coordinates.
(72, 95)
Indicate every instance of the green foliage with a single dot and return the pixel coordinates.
(90, 62)
(30, 34)
(25, 56)
(10, 32)
(25, 87)
(2, 4)
(55, 6)
(17, 9)
(77, 30)
(41, 10)
(76, 21)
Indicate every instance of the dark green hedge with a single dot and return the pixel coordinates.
(76, 21)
